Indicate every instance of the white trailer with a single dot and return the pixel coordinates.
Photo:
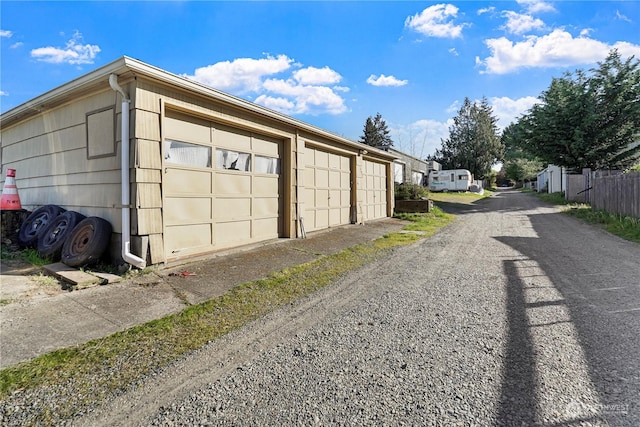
(450, 180)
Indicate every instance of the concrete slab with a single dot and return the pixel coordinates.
(72, 275)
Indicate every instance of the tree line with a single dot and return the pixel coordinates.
(585, 119)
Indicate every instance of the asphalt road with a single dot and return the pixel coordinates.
(513, 315)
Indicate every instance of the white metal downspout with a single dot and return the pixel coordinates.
(127, 256)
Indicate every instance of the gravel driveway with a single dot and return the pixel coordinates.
(513, 315)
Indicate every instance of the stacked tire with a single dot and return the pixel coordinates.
(65, 235)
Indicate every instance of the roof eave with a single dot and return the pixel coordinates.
(126, 64)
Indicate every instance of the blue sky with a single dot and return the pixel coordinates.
(328, 63)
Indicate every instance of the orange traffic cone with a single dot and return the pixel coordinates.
(10, 198)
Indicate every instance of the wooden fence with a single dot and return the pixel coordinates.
(619, 194)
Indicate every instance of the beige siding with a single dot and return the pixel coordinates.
(50, 155)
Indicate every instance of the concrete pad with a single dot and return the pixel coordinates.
(29, 329)
(72, 275)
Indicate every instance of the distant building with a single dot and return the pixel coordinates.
(408, 169)
(552, 179)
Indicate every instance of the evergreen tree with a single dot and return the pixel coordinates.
(376, 133)
(473, 142)
(587, 120)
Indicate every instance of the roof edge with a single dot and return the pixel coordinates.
(125, 64)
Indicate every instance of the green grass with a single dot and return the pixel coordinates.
(28, 255)
(93, 370)
(622, 226)
(553, 198)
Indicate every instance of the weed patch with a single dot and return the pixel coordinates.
(622, 226)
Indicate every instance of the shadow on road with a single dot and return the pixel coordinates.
(517, 401)
(596, 279)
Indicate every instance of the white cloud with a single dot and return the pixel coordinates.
(453, 108)
(508, 110)
(486, 10)
(73, 53)
(306, 99)
(242, 74)
(557, 49)
(436, 21)
(383, 80)
(313, 75)
(16, 45)
(622, 17)
(421, 138)
(3, 93)
(454, 52)
(301, 91)
(276, 103)
(518, 23)
(585, 32)
(6, 33)
(536, 6)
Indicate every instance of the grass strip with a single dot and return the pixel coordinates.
(626, 227)
(82, 376)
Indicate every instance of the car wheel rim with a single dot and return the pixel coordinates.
(82, 240)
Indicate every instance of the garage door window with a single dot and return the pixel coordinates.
(233, 160)
(183, 153)
(268, 165)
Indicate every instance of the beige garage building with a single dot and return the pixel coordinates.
(205, 170)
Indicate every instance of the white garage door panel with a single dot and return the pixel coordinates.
(231, 233)
(181, 181)
(266, 185)
(266, 146)
(263, 228)
(234, 139)
(187, 130)
(265, 207)
(208, 208)
(229, 183)
(327, 189)
(232, 208)
(188, 239)
(375, 200)
(185, 210)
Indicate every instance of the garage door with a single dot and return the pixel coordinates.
(327, 182)
(221, 187)
(375, 189)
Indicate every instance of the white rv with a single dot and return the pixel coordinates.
(450, 180)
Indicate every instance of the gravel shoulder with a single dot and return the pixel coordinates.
(513, 315)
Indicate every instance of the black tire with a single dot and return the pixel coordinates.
(36, 223)
(53, 237)
(87, 242)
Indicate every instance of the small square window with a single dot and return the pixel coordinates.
(233, 160)
(186, 154)
(269, 165)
